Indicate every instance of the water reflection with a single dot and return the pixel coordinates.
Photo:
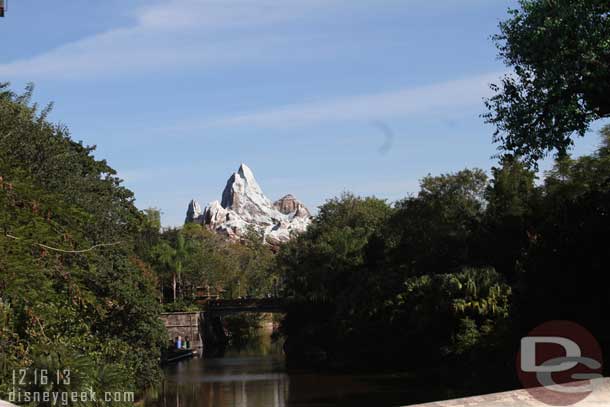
(256, 377)
(251, 376)
(230, 381)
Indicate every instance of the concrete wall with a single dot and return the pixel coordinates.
(600, 397)
(183, 324)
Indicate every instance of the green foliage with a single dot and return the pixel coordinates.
(449, 314)
(242, 328)
(322, 263)
(567, 256)
(193, 258)
(70, 278)
(512, 200)
(59, 371)
(511, 190)
(455, 275)
(560, 53)
(434, 232)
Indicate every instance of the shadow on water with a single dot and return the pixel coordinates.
(255, 376)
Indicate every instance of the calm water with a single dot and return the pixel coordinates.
(256, 377)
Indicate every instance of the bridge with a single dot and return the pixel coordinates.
(205, 325)
(221, 306)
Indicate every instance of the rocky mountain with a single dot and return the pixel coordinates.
(289, 204)
(244, 206)
(193, 211)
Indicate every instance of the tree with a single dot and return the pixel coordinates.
(434, 232)
(448, 314)
(512, 198)
(70, 276)
(319, 264)
(367, 278)
(163, 255)
(149, 232)
(180, 255)
(565, 258)
(193, 256)
(560, 53)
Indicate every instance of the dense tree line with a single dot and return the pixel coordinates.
(452, 276)
(84, 274)
(75, 292)
(192, 260)
(456, 274)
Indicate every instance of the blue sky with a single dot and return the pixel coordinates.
(177, 93)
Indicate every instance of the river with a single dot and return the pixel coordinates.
(256, 376)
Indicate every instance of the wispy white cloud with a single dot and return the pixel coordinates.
(446, 97)
(175, 34)
(181, 34)
(217, 14)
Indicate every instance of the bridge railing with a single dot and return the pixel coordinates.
(242, 303)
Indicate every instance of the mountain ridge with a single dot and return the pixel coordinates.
(244, 206)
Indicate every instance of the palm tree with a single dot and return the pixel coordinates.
(180, 255)
(164, 255)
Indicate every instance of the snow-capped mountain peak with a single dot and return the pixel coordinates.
(245, 206)
(193, 211)
(243, 194)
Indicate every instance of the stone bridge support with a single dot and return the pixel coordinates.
(184, 324)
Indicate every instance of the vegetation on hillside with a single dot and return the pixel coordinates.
(74, 291)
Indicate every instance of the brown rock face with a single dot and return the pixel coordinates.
(290, 205)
